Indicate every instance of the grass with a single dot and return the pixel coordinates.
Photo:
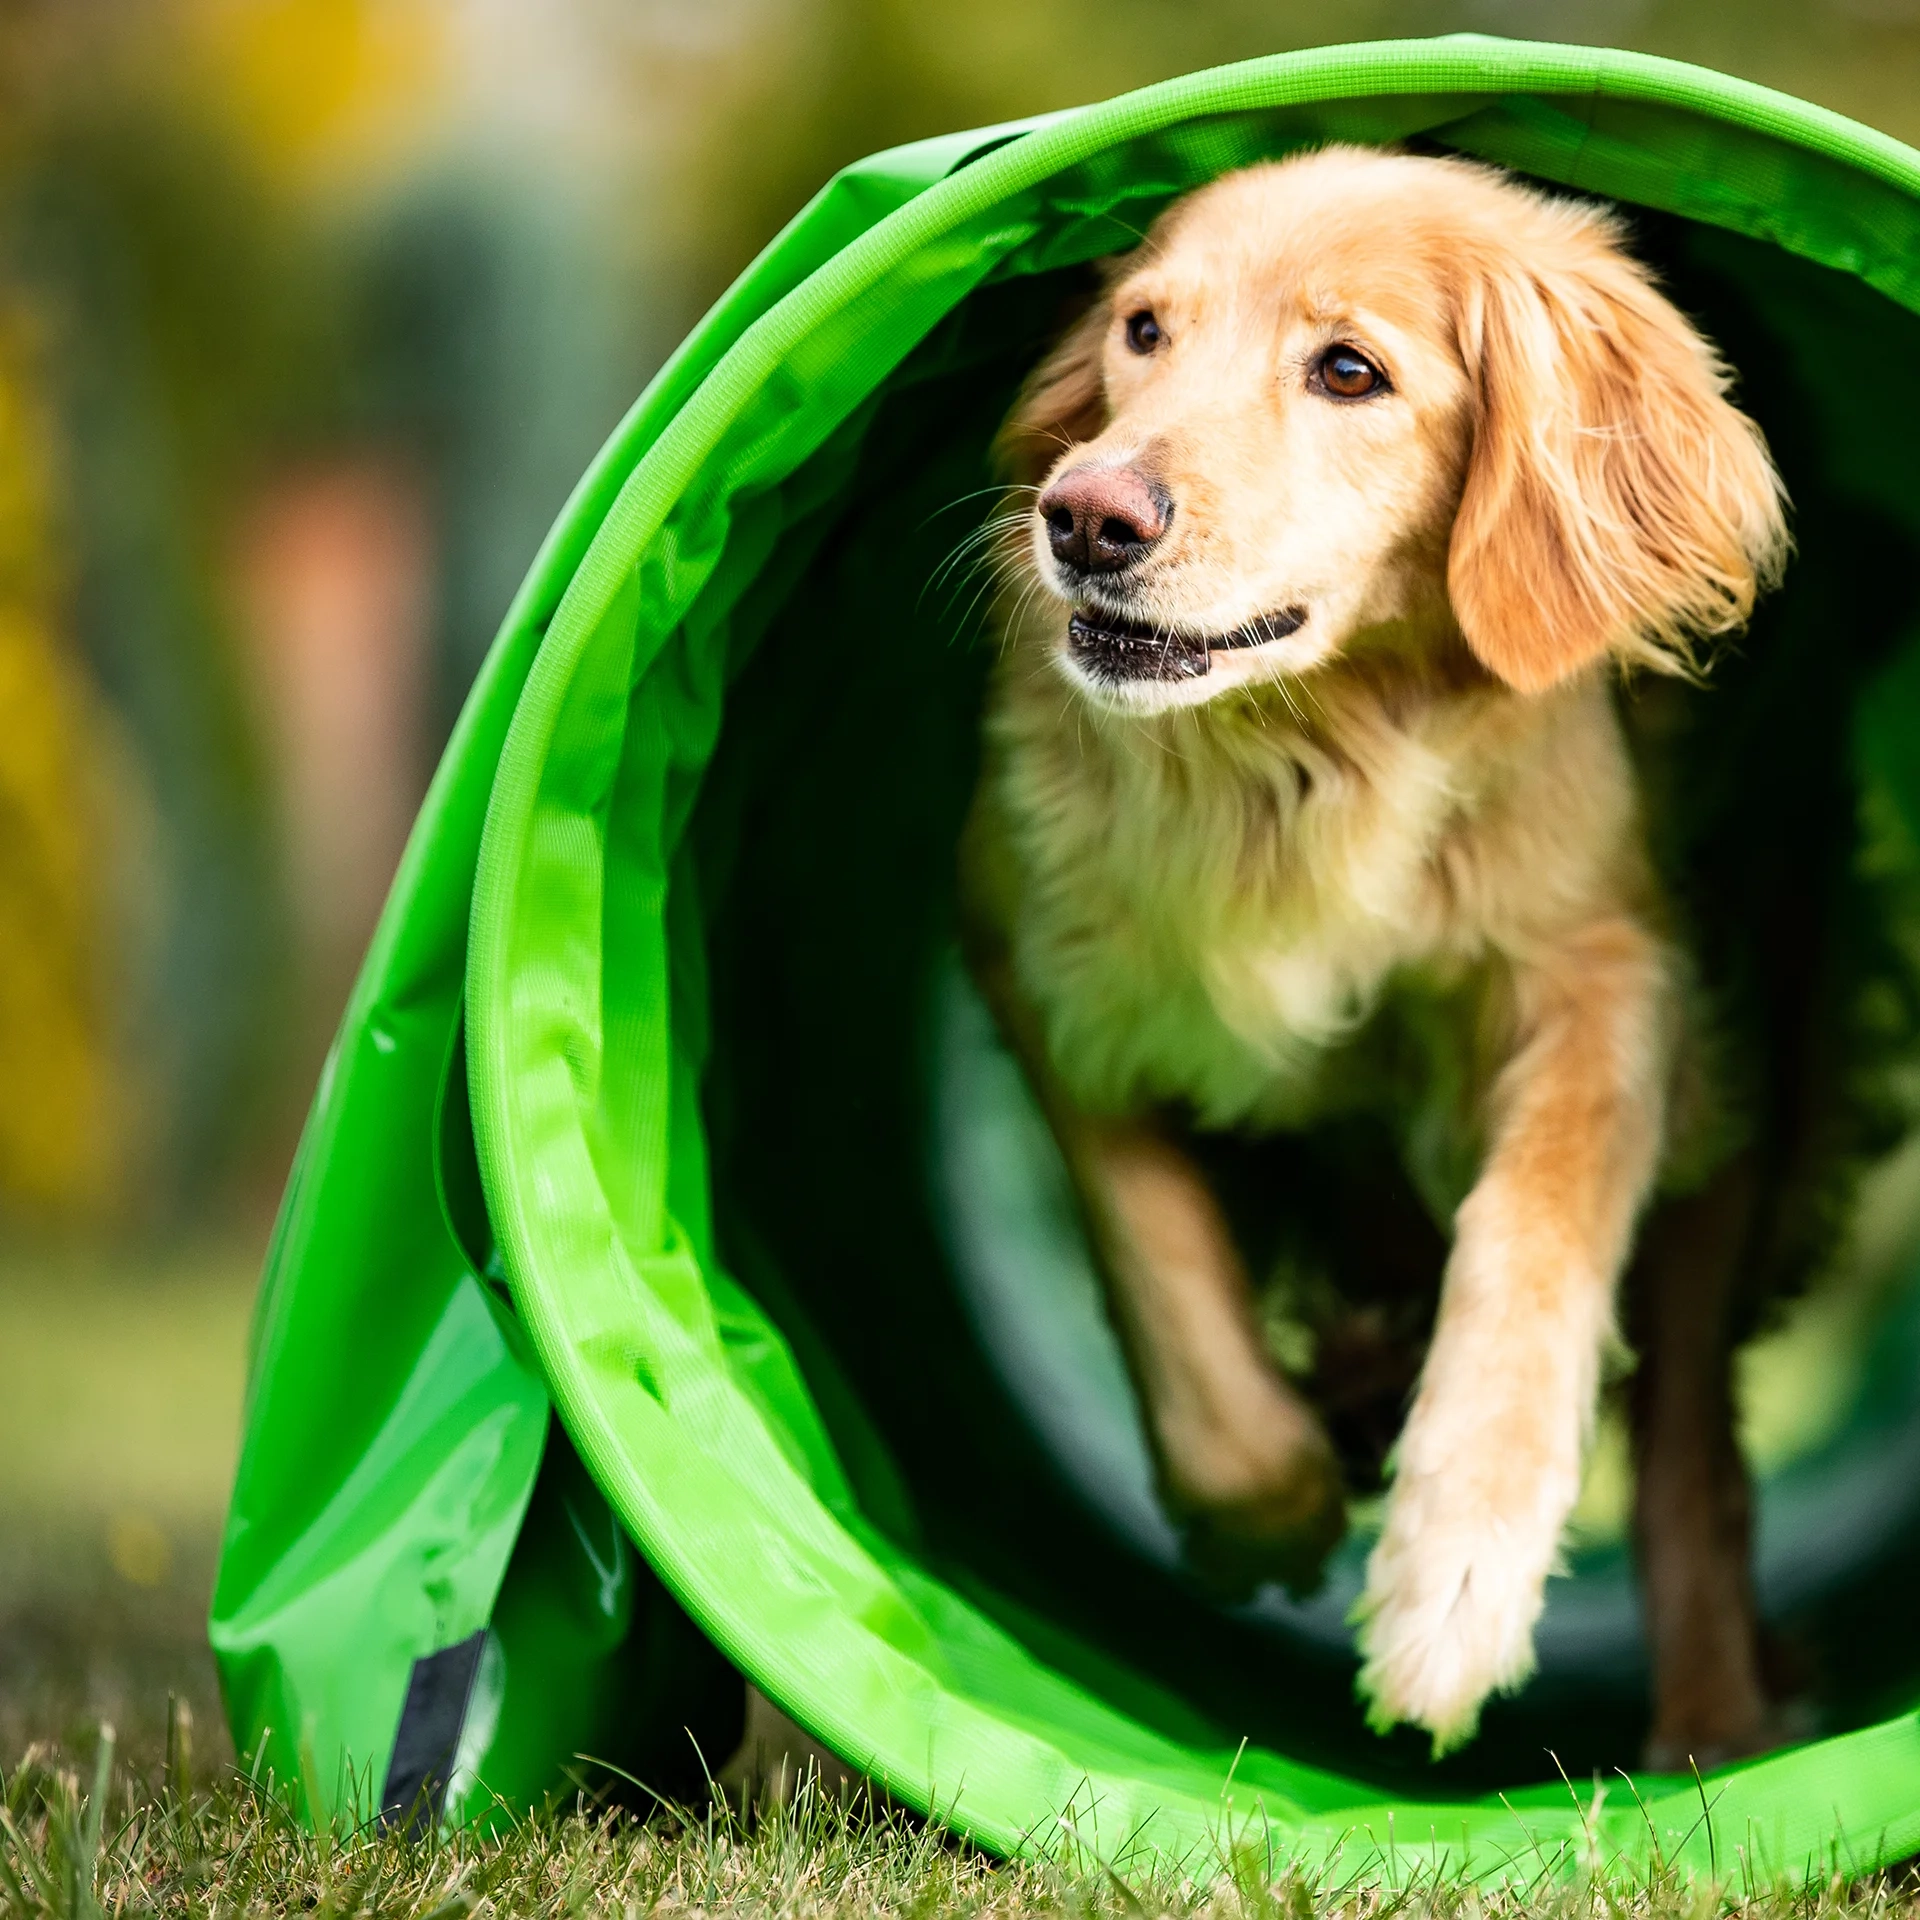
(104, 1840)
(120, 1390)
(124, 1384)
(118, 1414)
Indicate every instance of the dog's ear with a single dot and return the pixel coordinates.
(1615, 501)
(1064, 401)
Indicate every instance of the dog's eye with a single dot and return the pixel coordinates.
(1348, 375)
(1143, 331)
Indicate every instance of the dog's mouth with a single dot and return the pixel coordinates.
(1110, 648)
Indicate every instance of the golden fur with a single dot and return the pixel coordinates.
(1202, 889)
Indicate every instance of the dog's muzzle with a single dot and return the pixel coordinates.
(1110, 649)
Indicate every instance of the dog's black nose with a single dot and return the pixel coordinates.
(1100, 519)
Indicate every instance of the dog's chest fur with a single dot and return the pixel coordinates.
(1209, 908)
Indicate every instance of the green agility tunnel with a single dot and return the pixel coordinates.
(675, 1281)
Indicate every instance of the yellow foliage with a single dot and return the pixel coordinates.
(322, 87)
(59, 1132)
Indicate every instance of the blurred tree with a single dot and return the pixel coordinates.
(60, 1102)
(325, 338)
(176, 344)
(321, 90)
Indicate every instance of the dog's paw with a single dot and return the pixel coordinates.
(1720, 1720)
(1448, 1614)
(1236, 1549)
(1688, 1753)
(1258, 1508)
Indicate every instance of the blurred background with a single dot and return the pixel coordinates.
(311, 311)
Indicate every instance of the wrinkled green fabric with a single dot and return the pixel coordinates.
(565, 884)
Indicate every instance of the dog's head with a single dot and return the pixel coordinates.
(1366, 398)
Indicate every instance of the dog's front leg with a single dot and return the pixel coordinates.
(1488, 1466)
(1242, 1457)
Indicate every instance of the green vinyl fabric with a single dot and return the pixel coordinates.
(610, 1229)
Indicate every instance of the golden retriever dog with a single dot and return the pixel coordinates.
(1306, 793)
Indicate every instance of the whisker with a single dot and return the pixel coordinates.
(1030, 584)
(983, 589)
(975, 493)
(970, 553)
(970, 543)
(1282, 683)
